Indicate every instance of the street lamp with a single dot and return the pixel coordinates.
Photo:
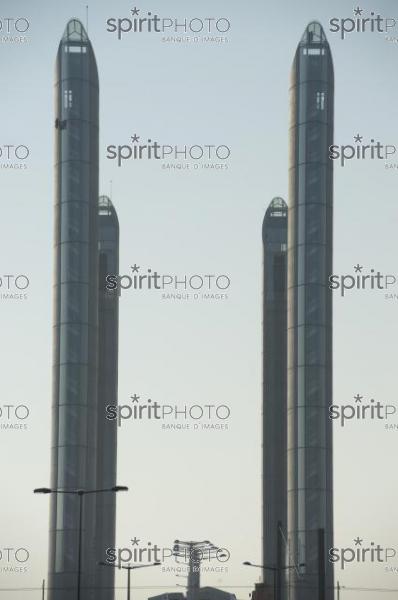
(129, 568)
(275, 571)
(265, 568)
(80, 493)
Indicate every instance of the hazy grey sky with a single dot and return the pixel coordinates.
(200, 484)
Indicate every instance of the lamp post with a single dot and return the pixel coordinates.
(80, 493)
(129, 568)
(339, 588)
(276, 571)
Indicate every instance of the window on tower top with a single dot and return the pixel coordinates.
(67, 98)
(313, 51)
(73, 49)
(320, 100)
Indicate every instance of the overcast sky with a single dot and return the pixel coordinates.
(199, 484)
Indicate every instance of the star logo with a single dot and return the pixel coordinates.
(358, 398)
(358, 268)
(135, 138)
(135, 398)
(135, 541)
(358, 11)
(358, 138)
(135, 269)
(358, 541)
(135, 11)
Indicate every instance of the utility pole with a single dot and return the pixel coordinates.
(128, 568)
(192, 554)
(338, 590)
(42, 589)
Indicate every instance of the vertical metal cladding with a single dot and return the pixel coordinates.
(274, 235)
(108, 319)
(310, 244)
(76, 313)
